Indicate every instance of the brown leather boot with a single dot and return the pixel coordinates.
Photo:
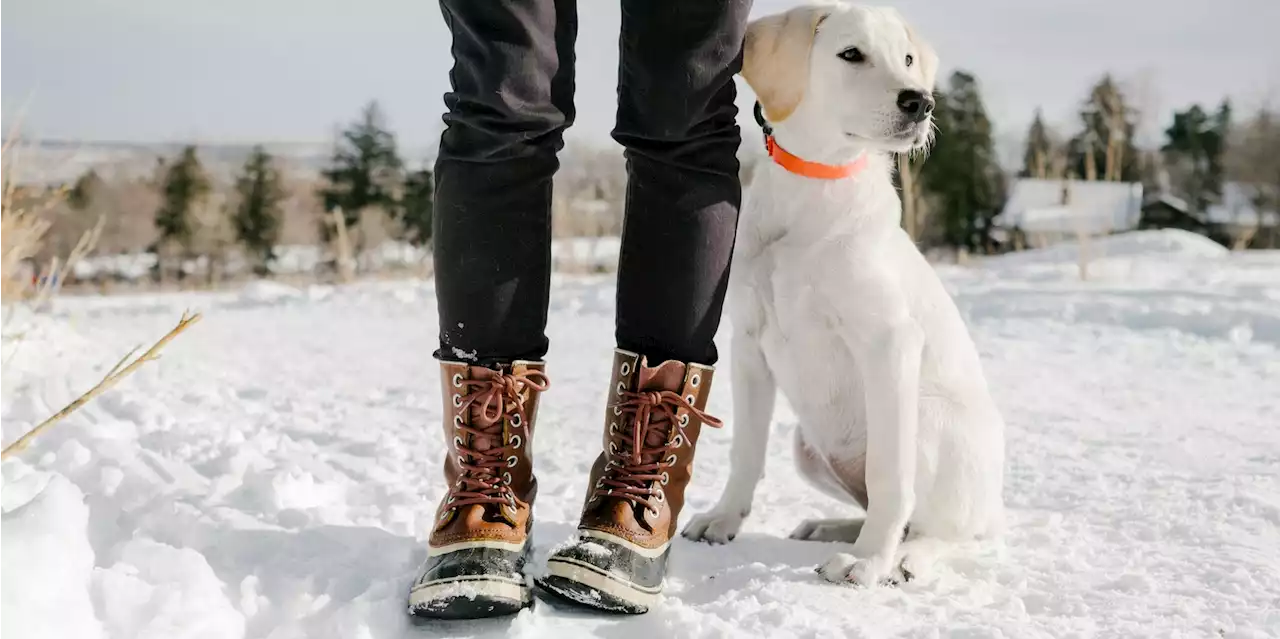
(637, 485)
(480, 542)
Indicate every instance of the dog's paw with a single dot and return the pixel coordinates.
(913, 566)
(848, 569)
(841, 530)
(715, 526)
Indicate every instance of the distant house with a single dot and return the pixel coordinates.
(1234, 222)
(1243, 215)
(1166, 211)
(1041, 211)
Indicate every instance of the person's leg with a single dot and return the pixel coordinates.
(511, 100)
(677, 120)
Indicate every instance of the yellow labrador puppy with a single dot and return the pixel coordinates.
(831, 302)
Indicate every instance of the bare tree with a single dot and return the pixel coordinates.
(1252, 166)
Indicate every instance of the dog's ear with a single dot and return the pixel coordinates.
(928, 57)
(776, 58)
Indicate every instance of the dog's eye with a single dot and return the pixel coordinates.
(910, 59)
(852, 54)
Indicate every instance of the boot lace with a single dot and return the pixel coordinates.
(646, 447)
(484, 456)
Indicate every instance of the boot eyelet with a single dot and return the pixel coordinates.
(457, 421)
(621, 388)
(655, 512)
(693, 381)
(613, 428)
(457, 380)
(666, 478)
(617, 410)
(457, 400)
(461, 459)
(613, 448)
(678, 441)
(626, 369)
(690, 398)
(512, 461)
(670, 460)
(600, 483)
(684, 420)
(451, 499)
(515, 441)
(660, 496)
(457, 441)
(445, 515)
(506, 478)
(516, 421)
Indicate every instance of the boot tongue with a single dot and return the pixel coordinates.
(478, 419)
(484, 443)
(667, 376)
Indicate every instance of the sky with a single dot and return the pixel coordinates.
(232, 71)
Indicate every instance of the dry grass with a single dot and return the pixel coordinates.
(22, 228)
(21, 232)
(122, 369)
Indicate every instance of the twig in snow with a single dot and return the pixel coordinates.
(117, 373)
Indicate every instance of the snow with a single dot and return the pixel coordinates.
(274, 474)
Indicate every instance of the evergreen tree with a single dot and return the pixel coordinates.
(1195, 150)
(257, 215)
(1104, 149)
(185, 185)
(418, 206)
(85, 189)
(1038, 158)
(365, 170)
(962, 176)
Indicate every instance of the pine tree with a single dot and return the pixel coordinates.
(365, 170)
(85, 189)
(257, 215)
(1038, 158)
(1195, 150)
(962, 175)
(185, 185)
(418, 206)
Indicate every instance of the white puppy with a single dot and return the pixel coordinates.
(831, 302)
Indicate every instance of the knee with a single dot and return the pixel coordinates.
(501, 126)
(503, 107)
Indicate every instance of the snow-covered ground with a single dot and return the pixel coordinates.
(274, 474)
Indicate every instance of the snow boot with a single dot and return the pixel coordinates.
(619, 560)
(480, 542)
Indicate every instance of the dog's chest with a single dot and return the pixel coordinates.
(804, 349)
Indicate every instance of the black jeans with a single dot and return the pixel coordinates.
(511, 100)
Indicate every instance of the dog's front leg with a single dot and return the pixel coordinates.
(887, 344)
(754, 394)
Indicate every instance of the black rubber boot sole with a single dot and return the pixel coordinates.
(475, 598)
(580, 583)
(577, 594)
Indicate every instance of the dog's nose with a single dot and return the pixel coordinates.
(915, 104)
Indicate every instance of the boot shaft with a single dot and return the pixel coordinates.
(489, 417)
(653, 417)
